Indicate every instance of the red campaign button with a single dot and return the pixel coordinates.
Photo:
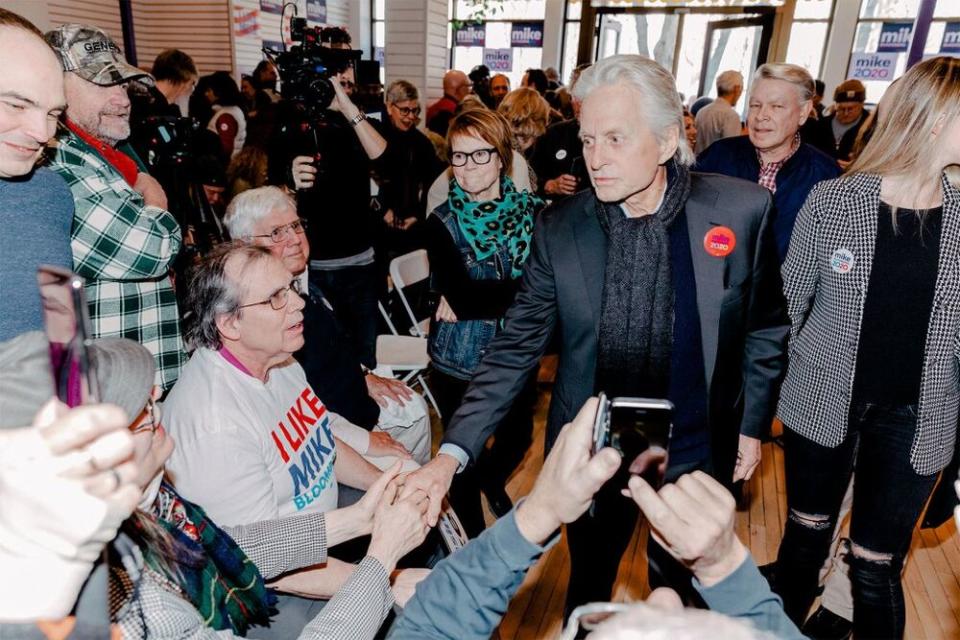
(720, 242)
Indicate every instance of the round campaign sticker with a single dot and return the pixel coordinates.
(561, 154)
(842, 261)
(720, 242)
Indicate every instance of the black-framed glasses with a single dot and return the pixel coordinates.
(279, 234)
(152, 418)
(480, 156)
(279, 298)
(406, 112)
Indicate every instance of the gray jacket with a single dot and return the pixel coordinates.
(826, 309)
(739, 298)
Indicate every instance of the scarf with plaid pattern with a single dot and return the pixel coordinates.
(216, 576)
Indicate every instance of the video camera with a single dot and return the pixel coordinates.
(170, 139)
(307, 68)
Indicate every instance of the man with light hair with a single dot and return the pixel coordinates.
(660, 283)
(394, 416)
(718, 119)
(772, 153)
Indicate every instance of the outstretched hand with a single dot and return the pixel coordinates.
(693, 519)
(569, 479)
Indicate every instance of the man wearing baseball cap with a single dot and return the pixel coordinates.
(124, 240)
(847, 118)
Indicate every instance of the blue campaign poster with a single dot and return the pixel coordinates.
(951, 39)
(470, 34)
(526, 34)
(895, 37)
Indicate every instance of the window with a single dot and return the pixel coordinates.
(879, 33)
(378, 37)
(497, 24)
(808, 35)
(571, 38)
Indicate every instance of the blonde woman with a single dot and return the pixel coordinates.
(873, 385)
(528, 114)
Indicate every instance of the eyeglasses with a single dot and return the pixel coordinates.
(347, 85)
(406, 112)
(278, 300)
(589, 616)
(280, 233)
(480, 156)
(154, 418)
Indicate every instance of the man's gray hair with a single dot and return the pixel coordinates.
(728, 82)
(251, 206)
(211, 294)
(641, 620)
(400, 91)
(792, 73)
(659, 101)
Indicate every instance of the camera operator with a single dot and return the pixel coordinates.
(175, 75)
(329, 156)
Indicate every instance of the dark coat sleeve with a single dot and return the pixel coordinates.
(514, 353)
(764, 357)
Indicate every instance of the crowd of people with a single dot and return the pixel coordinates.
(250, 469)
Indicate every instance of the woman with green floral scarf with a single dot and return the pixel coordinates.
(478, 241)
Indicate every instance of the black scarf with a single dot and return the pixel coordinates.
(636, 313)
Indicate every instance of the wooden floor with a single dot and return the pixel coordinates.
(931, 580)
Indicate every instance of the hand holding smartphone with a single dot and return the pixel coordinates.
(639, 428)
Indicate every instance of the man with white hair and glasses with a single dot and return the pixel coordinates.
(394, 416)
(255, 442)
(609, 269)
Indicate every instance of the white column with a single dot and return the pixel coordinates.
(553, 35)
(416, 45)
(839, 43)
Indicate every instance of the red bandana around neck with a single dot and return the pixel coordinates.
(120, 161)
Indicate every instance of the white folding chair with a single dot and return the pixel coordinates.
(407, 270)
(406, 356)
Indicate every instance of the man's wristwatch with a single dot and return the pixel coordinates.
(357, 119)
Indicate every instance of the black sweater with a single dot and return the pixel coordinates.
(469, 299)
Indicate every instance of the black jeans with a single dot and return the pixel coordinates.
(888, 497)
(510, 444)
(353, 293)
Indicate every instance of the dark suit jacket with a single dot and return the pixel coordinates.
(743, 321)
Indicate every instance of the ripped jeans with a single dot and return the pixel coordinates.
(888, 498)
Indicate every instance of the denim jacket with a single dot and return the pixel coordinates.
(456, 348)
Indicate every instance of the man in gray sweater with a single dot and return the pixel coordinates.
(36, 208)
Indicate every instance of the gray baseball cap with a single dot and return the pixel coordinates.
(93, 55)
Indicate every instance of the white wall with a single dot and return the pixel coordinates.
(416, 45)
(200, 29)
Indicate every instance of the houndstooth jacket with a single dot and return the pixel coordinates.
(825, 276)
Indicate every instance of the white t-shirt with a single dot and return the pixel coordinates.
(248, 450)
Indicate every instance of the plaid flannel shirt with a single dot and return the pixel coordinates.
(124, 249)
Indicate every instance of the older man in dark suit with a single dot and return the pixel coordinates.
(661, 283)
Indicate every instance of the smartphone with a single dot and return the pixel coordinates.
(639, 428)
(67, 324)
